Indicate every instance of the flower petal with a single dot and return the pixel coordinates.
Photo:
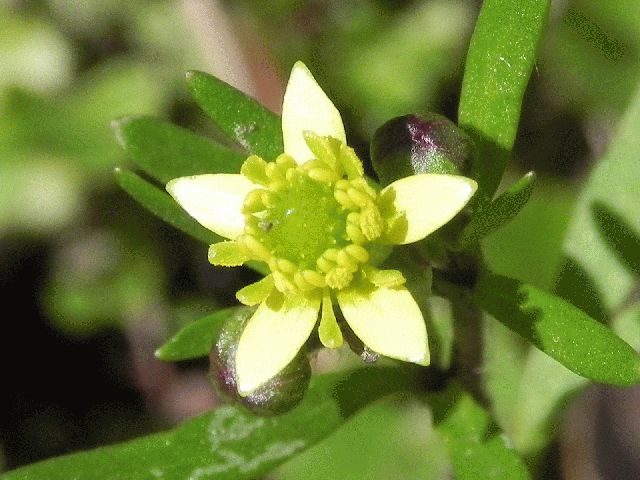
(425, 203)
(387, 320)
(307, 108)
(273, 337)
(214, 200)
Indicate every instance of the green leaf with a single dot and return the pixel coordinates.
(196, 339)
(230, 443)
(614, 182)
(161, 204)
(621, 238)
(491, 460)
(166, 151)
(560, 330)
(253, 126)
(473, 456)
(499, 62)
(390, 439)
(500, 211)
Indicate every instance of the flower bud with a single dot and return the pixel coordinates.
(414, 144)
(280, 394)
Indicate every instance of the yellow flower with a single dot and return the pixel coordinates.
(323, 229)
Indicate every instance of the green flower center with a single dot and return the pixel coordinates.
(312, 223)
(304, 222)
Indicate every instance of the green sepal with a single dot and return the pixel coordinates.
(420, 143)
(279, 394)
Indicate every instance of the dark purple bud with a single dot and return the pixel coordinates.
(278, 395)
(414, 144)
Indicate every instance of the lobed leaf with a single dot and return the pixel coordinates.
(230, 443)
(196, 339)
(240, 117)
(560, 330)
(499, 62)
(166, 151)
(162, 205)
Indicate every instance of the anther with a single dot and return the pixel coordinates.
(314, 278)
(358, 253)
(286, 266)
(285, 161)
(324, 174)
(331, 254)
(345, 260)
(282, 283)
(301, 282)
(359, 198)
(324, 265)
(338, 278)
(355, 234)
(257, 249)
(344, 199)
(253, 201)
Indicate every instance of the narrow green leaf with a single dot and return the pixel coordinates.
(459, 417)
(253, 126)
(196, 339)
(166, 151)
(500, 211)
(499, 62)
(576, 287)
(161, 204)
(473, 455)
(230, 443)
(491, 460)
(560, 330)
(614, 181)
(619, 235)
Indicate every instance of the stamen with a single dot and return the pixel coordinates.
(310, 224)
(339, 278)
(359, 198)
(254, 169)
(358, 253)
(253, 245)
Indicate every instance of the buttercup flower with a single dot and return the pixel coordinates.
(323, 229)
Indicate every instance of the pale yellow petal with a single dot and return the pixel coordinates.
(307, 108)
(387, 320)
(273, 337)
(425, 202)
(214, 200)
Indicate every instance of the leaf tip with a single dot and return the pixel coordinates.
(161, 354)
(118, 126)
